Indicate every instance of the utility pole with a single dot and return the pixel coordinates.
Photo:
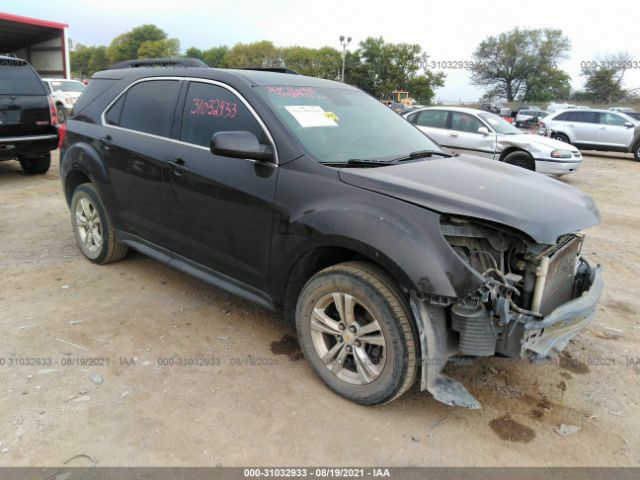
(344, 42)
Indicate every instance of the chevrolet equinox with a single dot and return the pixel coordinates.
(311, 197)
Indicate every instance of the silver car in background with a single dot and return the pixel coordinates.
(466, 130)
(594, 129)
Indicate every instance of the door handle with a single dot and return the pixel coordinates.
(570, 125)
(453, 134)
(178, 166)
(106, 142)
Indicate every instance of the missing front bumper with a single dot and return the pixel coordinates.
(554, 331)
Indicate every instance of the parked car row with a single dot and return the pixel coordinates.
(591, 129)
(465, 130)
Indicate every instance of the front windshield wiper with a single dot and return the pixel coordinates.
(370, 162)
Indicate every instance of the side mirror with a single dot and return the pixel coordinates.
(483, 130)
(240, 144)
(628, 124)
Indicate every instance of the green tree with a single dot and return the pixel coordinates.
(508, 63)
(323, 63)
(214, 57)
(422, 87)
(85, 61)
(169, 47)
(257, 54)
(604, 78)
(125, 46)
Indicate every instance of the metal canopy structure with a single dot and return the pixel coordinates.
(41, 42)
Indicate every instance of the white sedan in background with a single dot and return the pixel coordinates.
(466, 130)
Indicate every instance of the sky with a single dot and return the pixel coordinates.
(447, 31)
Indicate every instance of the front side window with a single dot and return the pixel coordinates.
(565, 116)
(463, 122)
(146, 107)
(209, 109)
(334, 125)
(612, 119)
(432, 118)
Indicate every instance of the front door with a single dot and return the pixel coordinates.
(220, 208)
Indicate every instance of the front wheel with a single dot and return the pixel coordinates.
(636, 151)
(92, 227)
(560, 136)
(520, 159)
(354, 327)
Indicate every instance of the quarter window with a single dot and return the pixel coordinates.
(209, 109)
(463, 122)
(146, 107)
(432, 118)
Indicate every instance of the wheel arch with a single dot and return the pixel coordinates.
(79, 164)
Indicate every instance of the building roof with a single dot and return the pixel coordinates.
(17, 32)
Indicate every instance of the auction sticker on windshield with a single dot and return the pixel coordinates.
(312, 116)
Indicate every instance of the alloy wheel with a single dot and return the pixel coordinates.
(347, 338)
(88, 225)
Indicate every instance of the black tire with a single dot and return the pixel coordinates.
(62, 114)
(636, 151)
(378, 294)
(520, 159)
(37, 165)
(108, 249)
(560, 136)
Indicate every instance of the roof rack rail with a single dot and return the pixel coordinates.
(272, 69)
(168, 62)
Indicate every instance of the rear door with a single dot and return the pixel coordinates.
(220, 208)
(613, 130)
(582, 127)
(136, 148)
(24, 107)
(463, 136)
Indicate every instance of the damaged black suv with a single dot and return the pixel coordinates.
(310, 197)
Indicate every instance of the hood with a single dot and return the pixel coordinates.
(541, 207)
(523, 140)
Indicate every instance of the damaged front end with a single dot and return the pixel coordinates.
(532, 300)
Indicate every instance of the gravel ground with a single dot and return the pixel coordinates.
(99, 360)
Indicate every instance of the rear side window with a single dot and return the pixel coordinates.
(18, 78)
(463, 122)
(585, 117)
(566, 116)
(432, 118)
(148, 107)
(209, 109)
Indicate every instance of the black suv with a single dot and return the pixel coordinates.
(28, 117)
(309, 196)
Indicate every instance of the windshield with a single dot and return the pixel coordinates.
(335, 125)
(66, 86)
(499, 124)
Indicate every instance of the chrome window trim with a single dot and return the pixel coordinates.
(104, 123)
(28, 139)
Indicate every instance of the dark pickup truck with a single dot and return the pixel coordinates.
(28, 119)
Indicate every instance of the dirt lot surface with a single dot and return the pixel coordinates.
(92, 344)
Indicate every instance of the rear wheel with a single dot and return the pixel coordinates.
(520, 159)
(354, 328)
(92, 227)
(36, 165)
